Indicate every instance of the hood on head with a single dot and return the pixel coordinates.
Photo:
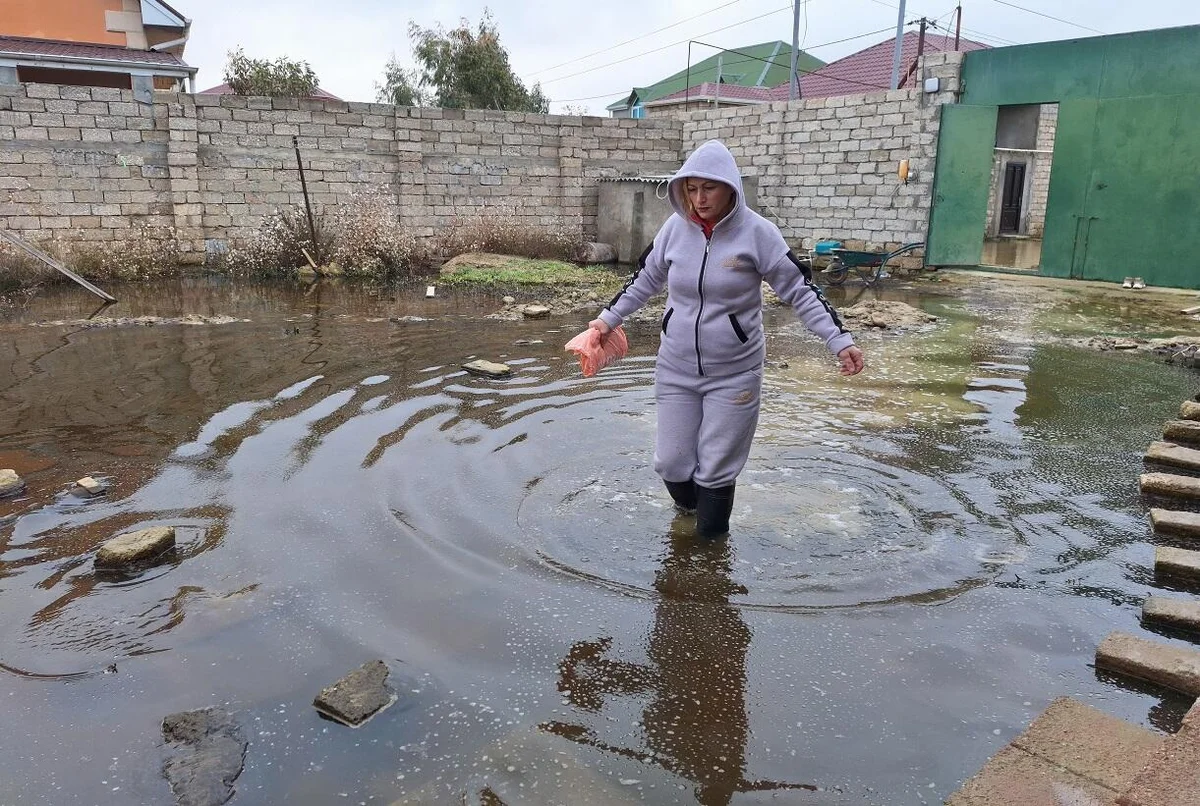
(711, 160)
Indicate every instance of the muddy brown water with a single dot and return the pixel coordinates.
(921, 558)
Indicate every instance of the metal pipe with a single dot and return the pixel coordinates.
(957, 25)
(717, 93)
(899, 47)
(312, 229)
(687, 82)
(793, 79)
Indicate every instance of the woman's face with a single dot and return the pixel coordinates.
(711, 200)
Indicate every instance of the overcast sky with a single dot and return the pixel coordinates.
(348, 42)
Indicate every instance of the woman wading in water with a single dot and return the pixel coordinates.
(712, 257)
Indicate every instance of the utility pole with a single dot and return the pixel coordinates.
(717, 94)
(921, 41)
(957, 25)
(899, 48)
(794, 82)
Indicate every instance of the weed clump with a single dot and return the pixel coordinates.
(503, 230)
(362, 237)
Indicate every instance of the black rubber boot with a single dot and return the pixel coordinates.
(683, 493)
(713, 506)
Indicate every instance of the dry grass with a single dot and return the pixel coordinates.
(362, 236)
(502, 230)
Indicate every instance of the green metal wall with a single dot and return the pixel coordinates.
(1125, 184)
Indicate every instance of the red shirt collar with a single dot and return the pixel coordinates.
(704, 225)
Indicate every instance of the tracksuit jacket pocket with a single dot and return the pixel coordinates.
(737, 329)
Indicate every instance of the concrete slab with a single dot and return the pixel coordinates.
(1169, 485)
(1174, 522)
(1014, 776)
(1190, 410)
(1090, 743)
(1172, 777)
(1182, 431)
(1168, 453)
(1182, 614)
(1163, 664)
(1179, 563)
(1071, 754)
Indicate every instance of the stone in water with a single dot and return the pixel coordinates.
(89, 486)
(10, 482)
(136, 547)
(536, 311)
(489, 369)
(358, 696)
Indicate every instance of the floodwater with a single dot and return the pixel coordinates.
(922, 557)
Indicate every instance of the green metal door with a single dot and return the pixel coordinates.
(1124, 191)
(961, 182)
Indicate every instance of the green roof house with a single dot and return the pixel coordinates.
(765, 65)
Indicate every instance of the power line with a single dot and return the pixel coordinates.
(635, 39)
(806, 72)
(982, 35)
(1047, 16)
(664, 47)
(798, 70)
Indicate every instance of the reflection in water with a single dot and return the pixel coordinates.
(695, 724)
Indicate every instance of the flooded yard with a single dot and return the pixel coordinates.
(922, 557)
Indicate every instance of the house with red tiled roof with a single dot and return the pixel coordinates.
(128, 44)
(225, 89)
(868, 70)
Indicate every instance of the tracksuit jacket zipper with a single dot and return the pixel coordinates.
(700, 312)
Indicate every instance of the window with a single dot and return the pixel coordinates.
(638, 111)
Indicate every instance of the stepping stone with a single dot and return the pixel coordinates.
(10, 483)
(1168, 453)
(136, 548)
(209, 752)
(1182, 431)
(536, 312)
(488, 369)
(1190, 410)
(1163, 664)
(1180, 563)
(1173, 522)
(90, 487)
(1181, 614)
(1169, 485)
(358, 696)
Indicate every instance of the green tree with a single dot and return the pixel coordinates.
(469, 69)
(400, 86)
(283, 77)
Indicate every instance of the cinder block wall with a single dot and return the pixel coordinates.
(827, 167)
(94, 164)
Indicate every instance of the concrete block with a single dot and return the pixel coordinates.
(1169, 485)
(1183, 614)
(1186, 431)
(1178, 563)
(1156, 662)
(1168, 453)
(1174, 522)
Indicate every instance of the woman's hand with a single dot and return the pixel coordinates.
(851, 360)
(601, 325)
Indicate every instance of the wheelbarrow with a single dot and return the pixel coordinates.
(868, 265)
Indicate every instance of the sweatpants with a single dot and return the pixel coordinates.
(705, 425)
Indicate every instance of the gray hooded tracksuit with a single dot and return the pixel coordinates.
(709, 373)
